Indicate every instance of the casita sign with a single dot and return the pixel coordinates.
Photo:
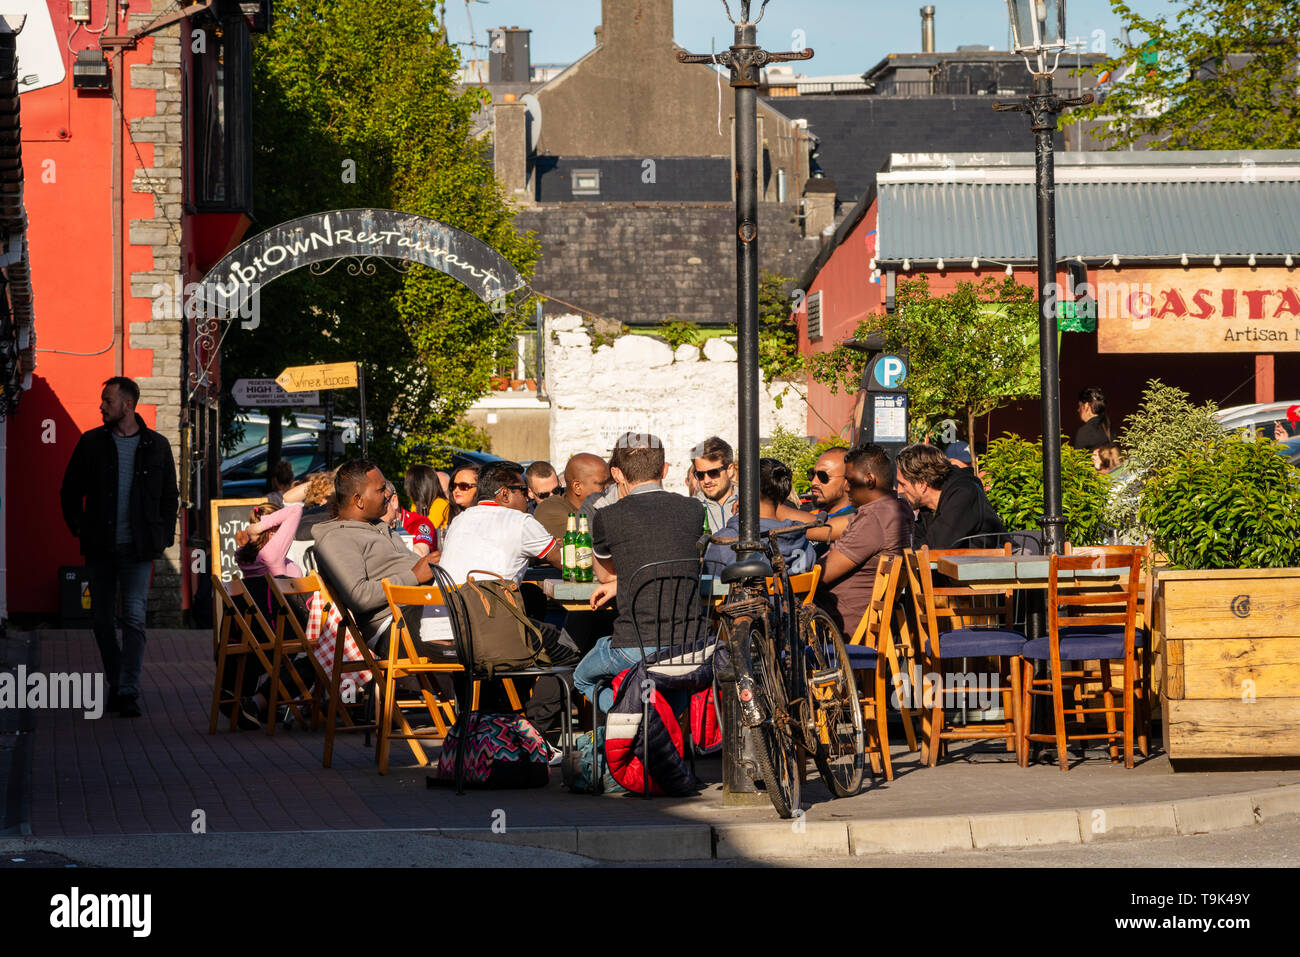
(1199, 310)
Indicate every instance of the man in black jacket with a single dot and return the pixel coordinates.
(950, 501)
(119, 498)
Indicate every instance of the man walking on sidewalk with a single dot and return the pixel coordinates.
(119, 498)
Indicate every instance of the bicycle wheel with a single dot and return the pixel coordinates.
(773, 742)
(834, 712)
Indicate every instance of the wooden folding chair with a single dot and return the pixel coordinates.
(805, 583)
(1095, 628)
(874, 638)
(405, 659)
(241, 616)
(341, 667)
(959, 622)
(292, 639)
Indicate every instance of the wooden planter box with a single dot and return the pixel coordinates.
(1231, 662)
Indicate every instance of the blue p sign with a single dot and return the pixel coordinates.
(890, 371)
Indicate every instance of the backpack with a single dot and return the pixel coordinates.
(706, 731)
(501, 751)
(502, 635)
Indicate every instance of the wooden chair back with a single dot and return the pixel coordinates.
(1099, 601)
(805, 583)
(235, 638)
(342, 667)
(941, 608)
(1146, 595)
(875, 630)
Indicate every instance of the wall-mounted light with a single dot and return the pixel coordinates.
(1009, 270)
(1184, 259)
(907, 265)
(939, 265)
(1288, 260)
(975, 262)
(90, 71)
(1251, 261)
(1217, 261)
(1114, 259)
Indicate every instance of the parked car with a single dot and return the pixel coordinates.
(244, 475)
(1262, 417)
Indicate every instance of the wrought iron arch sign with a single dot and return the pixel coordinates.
(360, 235)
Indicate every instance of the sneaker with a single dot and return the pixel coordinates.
(130, 706)
(554, 756)
(248, 720)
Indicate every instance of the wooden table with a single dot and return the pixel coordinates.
(1016, 571)
(576, 596)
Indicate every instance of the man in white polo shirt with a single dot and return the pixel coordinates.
(498, 535)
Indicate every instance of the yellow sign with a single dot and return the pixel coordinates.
(333, 375)
(1198, 309)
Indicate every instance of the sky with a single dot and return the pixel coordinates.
(848, 36)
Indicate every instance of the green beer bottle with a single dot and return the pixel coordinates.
(586, 559)
(569, 550)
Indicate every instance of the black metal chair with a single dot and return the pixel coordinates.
(1022, 542)
(677, 643)
(463, 682)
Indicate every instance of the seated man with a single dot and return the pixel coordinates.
(880, 528)
(774, 482)
(647, 524)
(585, 474)
(496, 534)
(542, 483)
(951, 501)
(715, 470)
(830, 497)
(358, 550)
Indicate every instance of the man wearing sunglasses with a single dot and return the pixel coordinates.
(715, 470)
(542, 483)
(830, 495)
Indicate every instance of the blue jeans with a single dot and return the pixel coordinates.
(122, 572)
(599, 665)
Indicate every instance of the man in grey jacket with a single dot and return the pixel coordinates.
(358, 550)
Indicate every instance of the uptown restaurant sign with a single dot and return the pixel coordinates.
(1199, 309)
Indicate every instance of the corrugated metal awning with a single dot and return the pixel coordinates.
(1149, 210)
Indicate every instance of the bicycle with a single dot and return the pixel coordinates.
(793, 678)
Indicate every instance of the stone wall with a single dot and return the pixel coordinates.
(640, 384)
(161, 234)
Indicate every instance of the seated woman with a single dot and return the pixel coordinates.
(774, 482)
(429, 509)
(264, 545)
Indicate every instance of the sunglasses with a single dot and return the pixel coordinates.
(464, 486)
(711, 473)
(521, 489)
(823, 477)
(542, 496)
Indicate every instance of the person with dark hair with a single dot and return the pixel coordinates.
(714, 466)
(1095, 430)
(1107, 458)
(263, 546)
(424, 492)
(463, 489)
(775, 481)
(950, 502)
(280, 480)
(542, 483)
(828, 483)
(647, 524)
(880, 528)
(357, 550)
(120, 499)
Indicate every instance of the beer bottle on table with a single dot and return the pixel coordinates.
(569, 550)
(586, 557)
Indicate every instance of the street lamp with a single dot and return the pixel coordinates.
(744, 59)
(1038, 28)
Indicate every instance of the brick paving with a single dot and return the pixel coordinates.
(148, 775)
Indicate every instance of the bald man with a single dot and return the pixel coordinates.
(583, 474)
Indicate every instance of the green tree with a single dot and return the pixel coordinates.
(1212, 75)
(1012, 469)
(969, 352)
(356, 105)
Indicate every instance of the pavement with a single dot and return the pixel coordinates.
(163, 777)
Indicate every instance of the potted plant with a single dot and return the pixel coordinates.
(1012, 470)
(1227, 515)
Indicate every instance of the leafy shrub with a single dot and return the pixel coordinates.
(1012, 469)
(1165, 427)
(677, 332)
(1230, 503)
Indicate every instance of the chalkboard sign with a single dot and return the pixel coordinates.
(229, 515)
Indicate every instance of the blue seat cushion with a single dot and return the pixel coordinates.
(861, 658)
(1083, 646)
(1140, 636)
(978, 642)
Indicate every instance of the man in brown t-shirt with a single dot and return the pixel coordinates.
(881, 528)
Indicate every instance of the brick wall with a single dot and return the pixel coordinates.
(161, 235)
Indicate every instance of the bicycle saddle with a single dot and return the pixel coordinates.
(753, 566)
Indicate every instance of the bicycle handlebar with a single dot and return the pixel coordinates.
(771, 534)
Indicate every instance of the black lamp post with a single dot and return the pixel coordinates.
(745, 58)
(1038, 28)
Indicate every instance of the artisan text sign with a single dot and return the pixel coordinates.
(1199, 309)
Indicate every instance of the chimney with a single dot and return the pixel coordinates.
(927, 29)
(647, 24)
(509, 60)
(510, 147)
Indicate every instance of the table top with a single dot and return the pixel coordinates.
(1015, 570)
(568, 593)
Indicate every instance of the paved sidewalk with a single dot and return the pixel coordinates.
(117, 776)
